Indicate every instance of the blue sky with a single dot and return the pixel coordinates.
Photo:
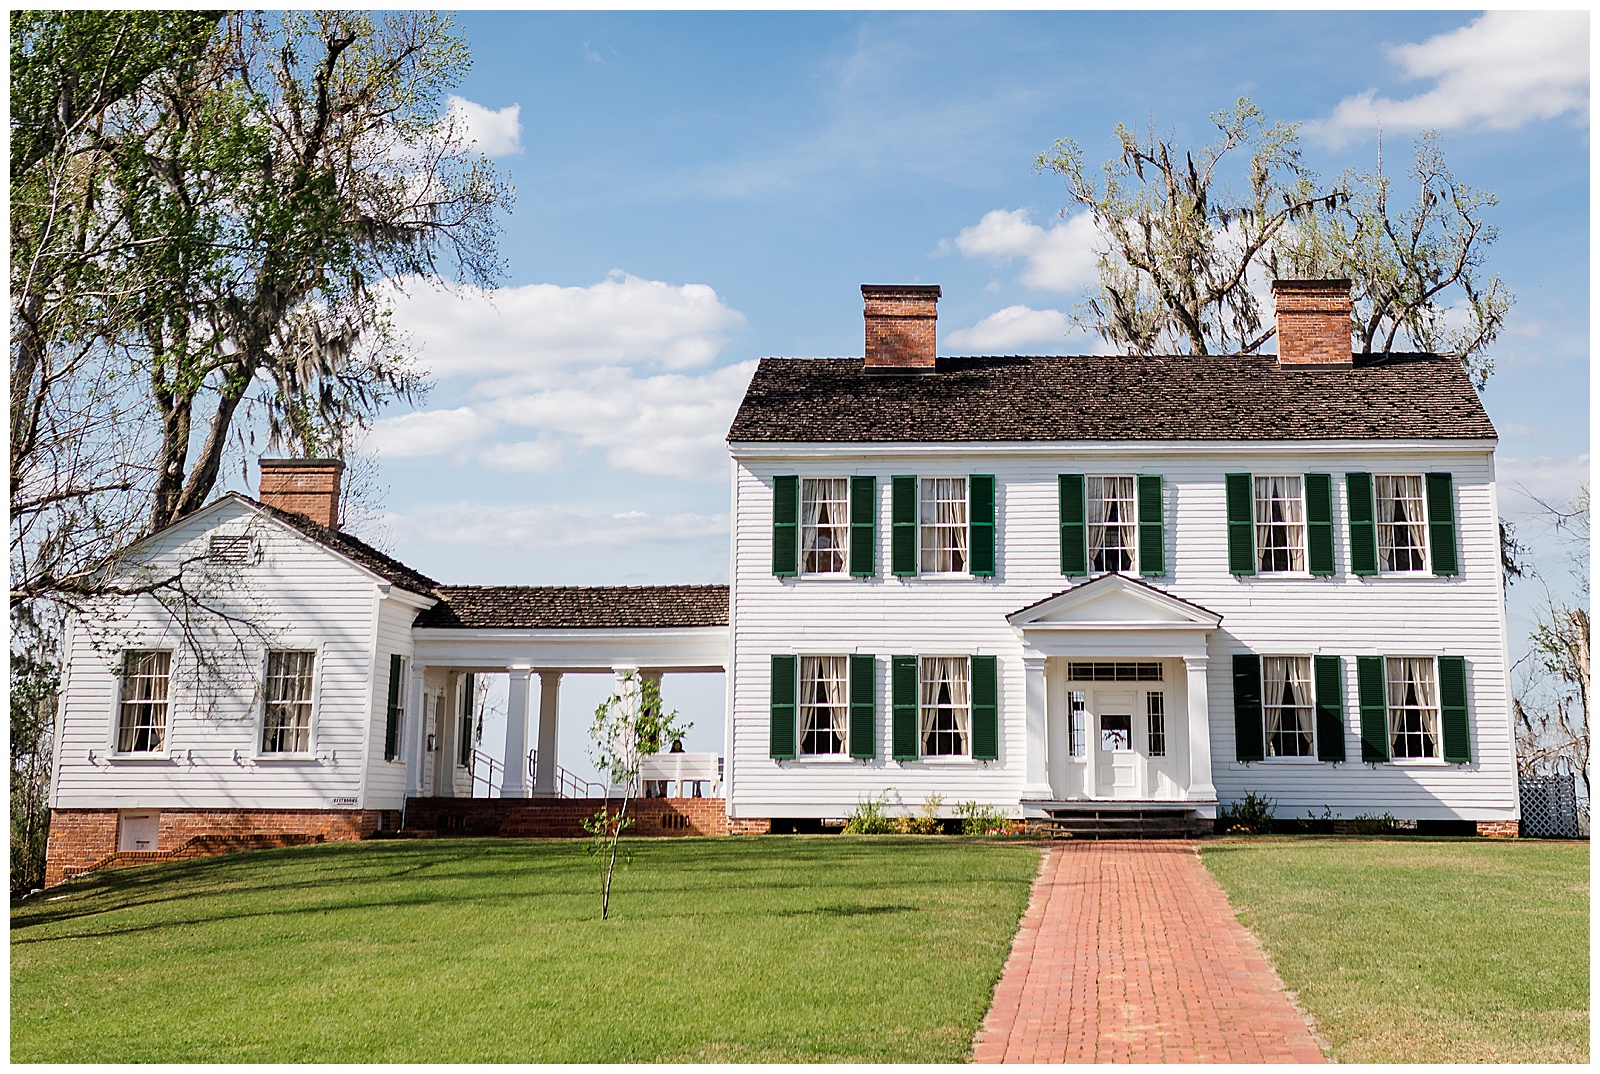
(699, 190)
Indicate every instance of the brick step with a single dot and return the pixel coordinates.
(1125, 824)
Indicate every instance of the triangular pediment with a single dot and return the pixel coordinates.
(1114, 599)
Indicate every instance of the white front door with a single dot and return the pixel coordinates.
(1119, 762)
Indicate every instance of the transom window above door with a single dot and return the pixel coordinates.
(1114, 671)
(1280, 524)
(1402, 522)
(824, 525)
(943, 523)
(1113, 533)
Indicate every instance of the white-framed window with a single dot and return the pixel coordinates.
(824, 525)
(286, 719)
(1155, 708)
(1413, 706)
(1078, 721)
(1113, 530)
(824, 705)
(943, 525)
(142, 701)
(1286, 706)
(946, 707)
(1402, 522)
(1280, 524)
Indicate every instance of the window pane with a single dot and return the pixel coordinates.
(943, 510)
(1112, 524)
(1402, 522)
(1286, 705)
(1156, 710)
(1413, 707)
(824, 705)
(946, 706)
(286, 726)
(824, 524)
(1280, 524)
(142, 714)
(1078, 704)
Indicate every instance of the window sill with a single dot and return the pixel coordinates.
(831, 577)
(946, 761)
(942, 576)
(138, 758)
(1290, 760)
(1420, 762)
(825, 759)
(274, 758)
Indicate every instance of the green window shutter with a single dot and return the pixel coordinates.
(391, 727)
(903, 525)
(985, 709)
(786, 526)
(1074, 526)
(980, 525)
(468, 703)
(1319, 523)
(1241, 523)
(1442, 523)
(1453, 709)
(1152, 539)
(863, 526)
(863, 706)
(1363, 526)
(1248, 734)
(905, 702)
(785, 669)
(1328, 677)
(1374, 703)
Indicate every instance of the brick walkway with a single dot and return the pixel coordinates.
(1129, 952)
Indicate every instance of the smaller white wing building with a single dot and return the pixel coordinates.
(1039, 584)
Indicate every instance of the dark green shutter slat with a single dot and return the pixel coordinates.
(468, 699)
(1363, 525)
(1319, 523)
(786, 526)
(1152, 539)
(980, 525)
(1442, 523)
(1374, 702)
(1074, 526)
(1328, 673)
(781, 735)
(1248, 735)
(1453, 709)
(863, 706)
(904, 703)
(1241, 523)
(391, 727)
(863, 526)
(985, 709)
(903, 525)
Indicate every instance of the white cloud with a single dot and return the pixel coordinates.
(1060, 258)
(534, 528)
(1502, 70)
(540, 456)
(427, 432)
(1007, 330)
(497, 133)
(539, 327)
(1551, 478)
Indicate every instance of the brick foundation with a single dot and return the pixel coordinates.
(530, 818)
(81, 839)
(1499, 829)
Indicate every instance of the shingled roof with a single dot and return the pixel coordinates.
(384, 566)
(577, 607)
(1097, 397)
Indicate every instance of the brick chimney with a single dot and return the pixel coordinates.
(902, 326)
(1313, 323)
(306, 486)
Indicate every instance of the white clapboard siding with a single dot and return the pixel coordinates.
(1342, 615)
(386, 780)
(298, 595)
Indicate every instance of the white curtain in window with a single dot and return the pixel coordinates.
(823, 517)
(1411, 686)
(945, 677)
(837, 701)
(1286, 688)
(1280, 523)
(1400, 520)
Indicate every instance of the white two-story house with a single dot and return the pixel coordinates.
(1034, 583)
(1030, 581)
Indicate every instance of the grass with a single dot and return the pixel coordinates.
(1432, 951)
(788, 949)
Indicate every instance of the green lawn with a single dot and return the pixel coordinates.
(1424, 951)
(768, 949)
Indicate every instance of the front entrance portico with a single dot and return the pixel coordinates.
(1118, 708)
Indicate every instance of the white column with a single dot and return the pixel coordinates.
(1200, 785)
(416, 742)
(1036, 778)
(516, 759)
(544, 773)
(444, 756)
(1057, 745)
